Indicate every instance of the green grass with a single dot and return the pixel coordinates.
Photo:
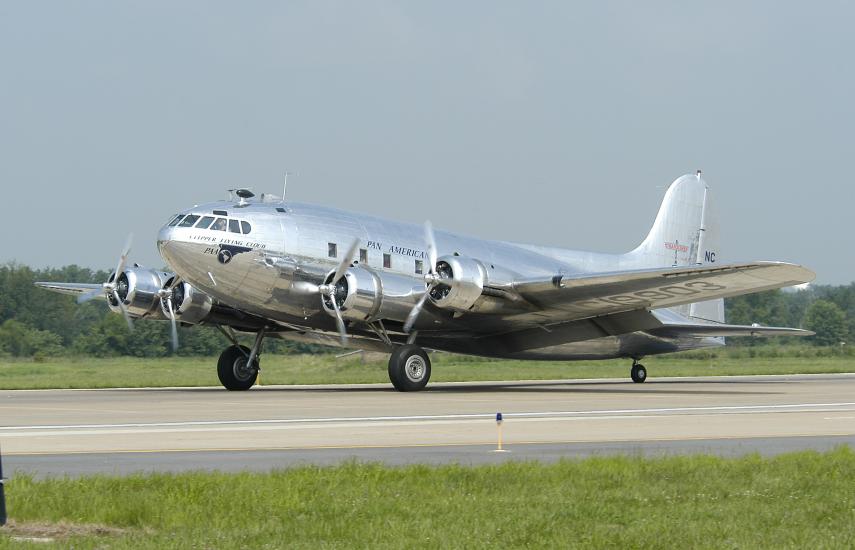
(803, 500)
(322, 369)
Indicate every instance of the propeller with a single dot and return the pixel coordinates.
(111, 287)
(330, 289)
(432, 278)
(167, 295)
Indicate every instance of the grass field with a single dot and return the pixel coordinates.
(323, 369)
(804, 500)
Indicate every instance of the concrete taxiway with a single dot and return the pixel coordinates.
(50, 432)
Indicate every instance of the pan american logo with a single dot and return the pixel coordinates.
(229, 251)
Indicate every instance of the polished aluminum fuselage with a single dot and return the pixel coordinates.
(288, 253)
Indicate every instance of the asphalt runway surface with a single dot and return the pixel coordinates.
(58, 432)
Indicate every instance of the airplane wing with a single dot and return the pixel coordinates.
(74, 289)
(563, 298)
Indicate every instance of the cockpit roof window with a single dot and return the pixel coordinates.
(246, 227)
(234, 226)
(177, 219)
(219, 225)
(205, 222)
(188, 221)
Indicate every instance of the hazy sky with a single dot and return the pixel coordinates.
(554, 123)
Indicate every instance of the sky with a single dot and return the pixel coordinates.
(555, 123)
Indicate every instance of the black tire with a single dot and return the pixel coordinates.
(638, 373)
(232, 369)
(409, 368)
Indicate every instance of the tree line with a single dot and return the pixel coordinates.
(36, 322)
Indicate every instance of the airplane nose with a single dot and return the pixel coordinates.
(164, 237)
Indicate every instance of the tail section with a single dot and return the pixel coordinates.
(685, 233)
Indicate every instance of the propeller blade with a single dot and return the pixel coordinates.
(124, 310)
(345, 262)
(414, 313)
(431, 247)
(174, 325)
(123, 258)
(176, 280)
(339, 321)
(91, 295)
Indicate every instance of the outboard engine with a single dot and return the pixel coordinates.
(365, 295)
(467, 278)
(189, 304)
(138, 288)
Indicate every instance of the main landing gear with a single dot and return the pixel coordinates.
(238, 365)
(638, 372)
(409, 368)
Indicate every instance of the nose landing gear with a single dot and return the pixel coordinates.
(638, 373)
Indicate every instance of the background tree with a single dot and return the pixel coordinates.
(828, 321)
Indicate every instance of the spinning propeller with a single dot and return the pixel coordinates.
(433, 278)
(332, 289)
(113, 285)
(167, 295)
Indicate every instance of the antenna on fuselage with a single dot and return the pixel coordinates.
(284, 187)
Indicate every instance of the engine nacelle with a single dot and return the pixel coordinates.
(137, 288)
(467, 277)
(189, 304)
(365, 295)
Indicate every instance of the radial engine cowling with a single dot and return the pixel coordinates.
(189, 304)
(137, 288)
(365, 295)
(467, 277)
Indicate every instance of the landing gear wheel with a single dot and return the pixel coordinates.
(409, 368)
(638, 373)
(234, 372)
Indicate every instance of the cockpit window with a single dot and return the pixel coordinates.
(246, 227)
(219, 225)
(189, 221)
(177, 219)
(234, 226)
(204, 222)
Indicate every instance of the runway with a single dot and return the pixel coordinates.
(54, 432)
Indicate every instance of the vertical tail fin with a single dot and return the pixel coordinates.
(684, 233)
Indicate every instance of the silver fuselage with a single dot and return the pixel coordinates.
(274, 270)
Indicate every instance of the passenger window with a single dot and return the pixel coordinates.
(363, 256)
(234, 226)
(419, 267)
(332, 250)
(219, 225)
(387, 260)
(246, 227)
(204, 222)
(189, 221)
(177, 219)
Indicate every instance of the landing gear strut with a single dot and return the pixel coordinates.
(409, 368)
(638, 372)
(238, 365)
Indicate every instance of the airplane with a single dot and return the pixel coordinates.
(268, 267)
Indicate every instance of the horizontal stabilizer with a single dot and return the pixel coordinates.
(722, 329)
